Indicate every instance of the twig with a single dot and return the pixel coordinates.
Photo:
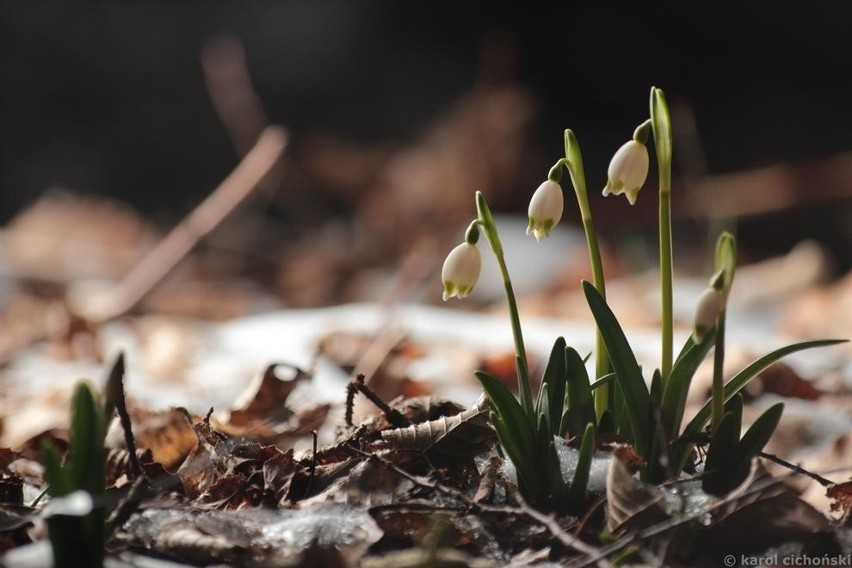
(797, 469)
(547, 521)
(223, 60)
(160, 260)
(394, 416)
(127, 505)
(124, 417)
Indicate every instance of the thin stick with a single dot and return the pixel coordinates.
(124, 416)
(547, 521)
(168, 253)
(797, 469)
(394, 416)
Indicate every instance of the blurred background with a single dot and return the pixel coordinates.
(117, 119)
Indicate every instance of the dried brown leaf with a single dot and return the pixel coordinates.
(168, 435)
(266, 397)
(458, 435)
(631, 503)
(841, 496)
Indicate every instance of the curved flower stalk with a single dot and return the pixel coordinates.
(528, 429)
(461, 272)
(543, 207)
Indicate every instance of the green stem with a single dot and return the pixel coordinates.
(487, 220)
(718, 392)
(661, 123)
(666, 281)
(573, 162)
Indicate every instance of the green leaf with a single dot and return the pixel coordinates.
(720, 455)
(58, 477)
(659, 443)
(555, 376)
(656, 392)
(518, 454)
(555, 482)
(86, 444)
(627, 371)
(677, 387)
(605, 380)
(606, 424)
(542, 404)
(581, 403)
(735, 407)
(518, 425)
(576, 495)
(736, 383)
(754, 440)
(620, 417)
(544, 429)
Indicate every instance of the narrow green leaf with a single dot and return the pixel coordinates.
(509, 410)
(555, 377)
(576, 495)
(720, 455)
(754, 440)
(689, 344)
(58, 477)
(677, 387)
(740, 380)
(520, 458)
(627, 371)
(581, 403)
(605, 380)
(542, 402)
(545, 430)
(735, 407)
(86, 443)
(606, 424)
(656, 392)
(555, 482)
(619, 413)
(659, 441)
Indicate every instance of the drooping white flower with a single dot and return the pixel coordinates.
(627, 171)
(545, 209)
(461, 271)
(707, 312)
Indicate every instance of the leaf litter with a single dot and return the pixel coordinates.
(277, 477)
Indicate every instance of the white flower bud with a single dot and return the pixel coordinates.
(707, 312)
(627, 171)
(545, 209)
(461, 271)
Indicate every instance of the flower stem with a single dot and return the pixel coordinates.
(718, 394)
(487, 220)
(663, 142)
(574, 163)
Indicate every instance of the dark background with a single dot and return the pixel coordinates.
(110, 97)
